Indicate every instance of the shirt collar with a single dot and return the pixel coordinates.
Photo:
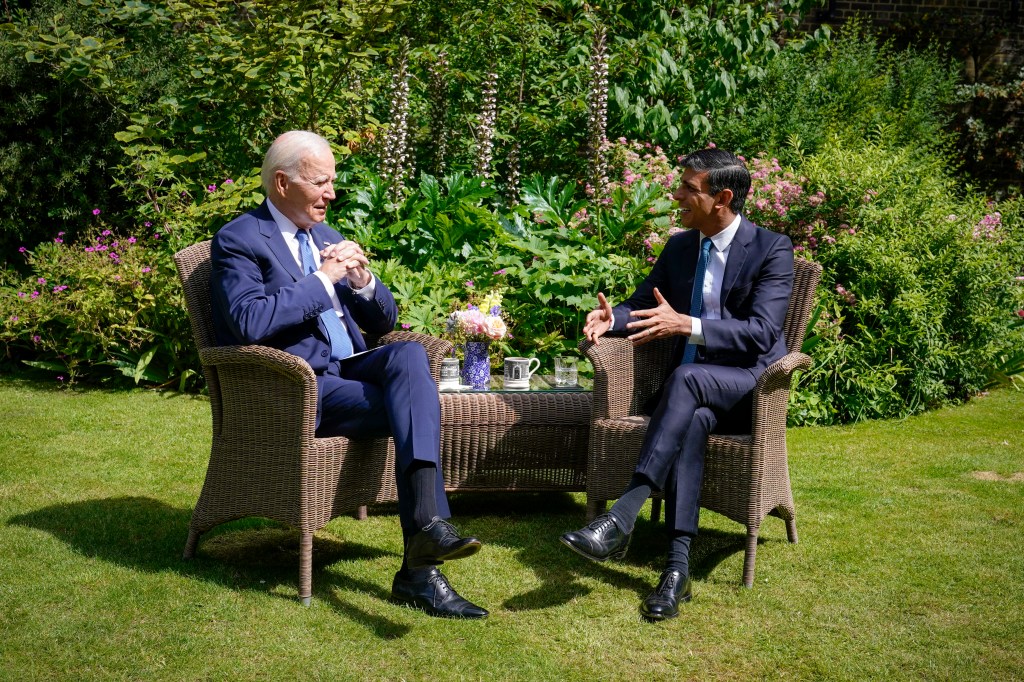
(723, 239)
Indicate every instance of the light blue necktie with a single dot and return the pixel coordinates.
(697, 297)
(341, 344)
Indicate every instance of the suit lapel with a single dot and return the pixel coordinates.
(272, 233)
(738, 252)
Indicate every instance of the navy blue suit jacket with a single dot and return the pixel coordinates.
(260, 296)
(755, 296)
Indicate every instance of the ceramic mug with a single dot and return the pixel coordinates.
(450, 373)
(519, 370)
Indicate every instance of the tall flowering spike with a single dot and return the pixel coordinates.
(597, 110)
(396, 161)
(513, 177)
(437, 84)
(485, 132)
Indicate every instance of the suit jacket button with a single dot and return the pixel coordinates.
(323, 354)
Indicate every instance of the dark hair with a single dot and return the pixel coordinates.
(725, 171)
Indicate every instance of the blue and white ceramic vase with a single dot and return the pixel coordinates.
(476, 368)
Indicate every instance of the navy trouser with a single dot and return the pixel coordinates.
(388, 391)
(696, 398)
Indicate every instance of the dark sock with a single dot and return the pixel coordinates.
(422, 480)
(679, 553)
(627, 508)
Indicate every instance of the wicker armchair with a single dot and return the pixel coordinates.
(265, 460)
(746, 477)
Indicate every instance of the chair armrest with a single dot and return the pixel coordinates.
(613, 376)
(771, 396)
(437, 349)
(260, 385)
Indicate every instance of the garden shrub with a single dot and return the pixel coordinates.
(103, 309)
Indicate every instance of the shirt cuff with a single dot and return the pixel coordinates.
(367, 291)
(696, 332)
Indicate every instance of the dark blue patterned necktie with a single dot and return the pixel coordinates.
(697, 297)
(341, 344)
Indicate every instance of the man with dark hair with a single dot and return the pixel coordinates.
(723, 289)
(281, 277)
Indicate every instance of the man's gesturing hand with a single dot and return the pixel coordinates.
(659, 322)
(598, 321)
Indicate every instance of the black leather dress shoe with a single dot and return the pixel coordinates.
(599, 541)
(673, 587)
(436, 543)
(429, 590)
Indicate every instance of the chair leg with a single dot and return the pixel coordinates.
(655, 509)
(361, 513)
(594, 507)
(306, 567)
(791, 530)
(749, 557)
(190, 544)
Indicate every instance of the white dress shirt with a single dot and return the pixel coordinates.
(288, 231)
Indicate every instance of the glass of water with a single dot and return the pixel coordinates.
(565, 371)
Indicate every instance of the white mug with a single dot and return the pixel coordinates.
(450, 372)
(519, 370)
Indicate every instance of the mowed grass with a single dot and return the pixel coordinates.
(909, 566)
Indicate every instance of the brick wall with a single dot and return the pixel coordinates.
(997, 24)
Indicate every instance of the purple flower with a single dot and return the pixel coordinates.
(35, 294)
(40, 281)
(147, 224)
(469, 284)
(96, 211)
(131, 240)
(211, 188)
(60, 288)
(22, 249)
(36, 338)
(406, 326)
(14, 318)
(89, 249)
(58, 240)
(60, 234)
(229, 181)
(145, 269)
(21, 294)
(106, 233)
(500, 272)
(60, 377)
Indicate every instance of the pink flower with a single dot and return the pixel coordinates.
(499, 272)
(58, 240)
(96, 211)
(406, 326)
(36, 338)
(211, 188)
(40, 281)
(145, 269)
(35, 294)
(14, 318)
(469, 284)
(60, 377)
(229, 181)
(21, 294)
(106, 233)
(22, 249)
(147, 224)
(131, 240)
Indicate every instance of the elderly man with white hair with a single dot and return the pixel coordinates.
(281, 277)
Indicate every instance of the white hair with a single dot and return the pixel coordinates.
(287, 152)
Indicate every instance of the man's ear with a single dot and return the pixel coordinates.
(724, 198)
(281, 182)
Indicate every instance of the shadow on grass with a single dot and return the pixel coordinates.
(531, 524)
(254, 554)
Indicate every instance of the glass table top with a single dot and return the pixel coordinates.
(538, 383)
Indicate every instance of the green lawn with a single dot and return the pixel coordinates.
(909, 566)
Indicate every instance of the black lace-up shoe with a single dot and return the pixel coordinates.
(436, 543)
(663, 603)
(599, 541)
(429, 590)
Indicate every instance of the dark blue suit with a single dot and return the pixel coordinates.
(697, 397)
(260, 296)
